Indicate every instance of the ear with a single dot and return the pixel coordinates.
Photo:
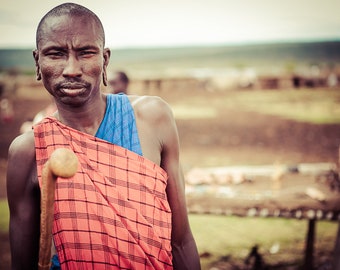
(37, 68)
(106, 55)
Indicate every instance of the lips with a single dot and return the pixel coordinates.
(72, 89)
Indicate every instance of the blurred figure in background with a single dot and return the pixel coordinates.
(6, 111)
(48, 111)
(119, 83)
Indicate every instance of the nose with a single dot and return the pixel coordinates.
(72, 67)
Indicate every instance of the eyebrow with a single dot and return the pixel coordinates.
(61, 48)
(88, 47)
(51, 48)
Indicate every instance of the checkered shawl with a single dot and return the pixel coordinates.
(113, 214)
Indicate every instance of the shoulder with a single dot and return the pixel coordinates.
(22, 146)
(21, 156)
(151, 108)
(156, 127)
(155, 116)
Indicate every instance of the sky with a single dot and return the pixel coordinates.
(168, 23)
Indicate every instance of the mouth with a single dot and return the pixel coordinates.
(72, 90)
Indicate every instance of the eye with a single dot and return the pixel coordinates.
(55, 54)
(87, 53)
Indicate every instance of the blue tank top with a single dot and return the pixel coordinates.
(119, 124)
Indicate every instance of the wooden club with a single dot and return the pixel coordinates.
(62, 163)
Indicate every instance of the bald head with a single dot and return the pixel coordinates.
(73, 10)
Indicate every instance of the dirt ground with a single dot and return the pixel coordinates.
(234, 138)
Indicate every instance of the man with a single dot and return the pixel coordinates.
(119, 83)
(120, 210)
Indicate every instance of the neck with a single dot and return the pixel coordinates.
(86, 118)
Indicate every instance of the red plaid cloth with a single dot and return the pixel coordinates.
(113, 214)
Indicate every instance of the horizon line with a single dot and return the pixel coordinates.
(205, 45)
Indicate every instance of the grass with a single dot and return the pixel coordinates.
(234, 237)
(320, 106)
(184, 112)
(4, 216)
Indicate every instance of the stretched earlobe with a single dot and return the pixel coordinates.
(106, 56)
(36, 59)
(104, 78)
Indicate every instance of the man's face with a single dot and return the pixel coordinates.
(71, 59)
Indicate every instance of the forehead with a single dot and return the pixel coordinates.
(66, 29)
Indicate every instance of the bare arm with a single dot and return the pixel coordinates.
(156, 123)
(24, 203)
(184, 250)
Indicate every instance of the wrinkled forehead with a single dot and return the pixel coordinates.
(66, 28)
